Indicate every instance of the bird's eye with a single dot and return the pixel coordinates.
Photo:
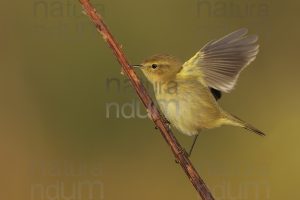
(154, 66)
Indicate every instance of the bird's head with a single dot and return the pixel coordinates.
(160, 68)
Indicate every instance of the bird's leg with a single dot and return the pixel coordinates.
(193, 144)
(191, 148)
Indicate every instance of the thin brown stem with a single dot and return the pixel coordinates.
(179, 153)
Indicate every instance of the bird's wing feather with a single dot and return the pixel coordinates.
(221, 61)
(216, 93)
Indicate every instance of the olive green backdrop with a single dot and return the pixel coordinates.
(71, 127)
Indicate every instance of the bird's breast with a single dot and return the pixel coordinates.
(188, 105)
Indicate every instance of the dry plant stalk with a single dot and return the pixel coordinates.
(159, 120)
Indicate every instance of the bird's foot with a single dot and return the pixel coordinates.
(181, 153)
(165, 121)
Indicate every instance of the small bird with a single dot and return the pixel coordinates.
(187, 93)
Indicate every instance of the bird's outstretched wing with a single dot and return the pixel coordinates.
(221, 61)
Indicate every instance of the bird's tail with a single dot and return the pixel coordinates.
(235, 121)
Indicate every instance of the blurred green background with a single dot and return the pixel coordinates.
(59, 141)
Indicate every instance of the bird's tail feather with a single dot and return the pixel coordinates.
(235, 121)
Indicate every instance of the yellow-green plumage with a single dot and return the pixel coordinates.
(185, 97)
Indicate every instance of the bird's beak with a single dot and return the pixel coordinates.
(136, 66)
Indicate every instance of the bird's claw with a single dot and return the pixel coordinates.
(181, 152)
(166, 121)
